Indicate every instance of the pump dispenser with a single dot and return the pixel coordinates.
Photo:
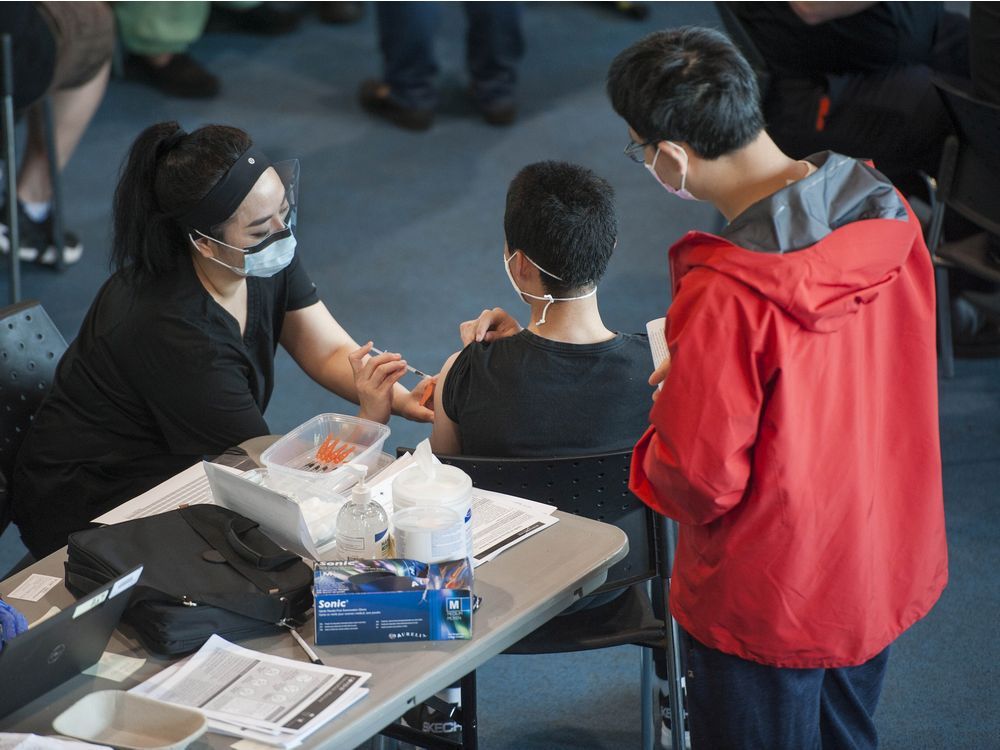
(362, 525)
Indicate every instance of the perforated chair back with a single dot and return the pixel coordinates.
(591, 486)
(30, 349)
(969, 177)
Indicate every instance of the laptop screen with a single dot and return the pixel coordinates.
(64, 645)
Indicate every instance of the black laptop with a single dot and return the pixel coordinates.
(62, 646)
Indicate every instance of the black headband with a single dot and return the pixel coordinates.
(228, 193)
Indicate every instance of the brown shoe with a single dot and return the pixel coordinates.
(375, 98)
(339, 13)
(182, 76)
(498, 114)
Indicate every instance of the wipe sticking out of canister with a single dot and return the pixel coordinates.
(429, 484)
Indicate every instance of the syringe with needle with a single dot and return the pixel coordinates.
(414, 370)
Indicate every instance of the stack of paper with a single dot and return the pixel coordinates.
(256, 696)
(498, 521)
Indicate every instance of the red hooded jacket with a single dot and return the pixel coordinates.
(796, 436)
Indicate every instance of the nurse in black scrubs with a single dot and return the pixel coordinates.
(175, 359)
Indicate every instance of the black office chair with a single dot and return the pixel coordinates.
(597, 487)
(30, 349)
(968, 182)
(9, 159)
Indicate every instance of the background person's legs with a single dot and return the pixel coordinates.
(494, 47)
(406, 38)
(984, 43)
(406, 95)
(896, 119)
(72, 110)
(156, 35)
(984, 64)
(84, 40)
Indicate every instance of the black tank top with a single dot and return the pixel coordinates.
(527, 397)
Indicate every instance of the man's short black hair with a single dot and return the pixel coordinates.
(562, 217)
(687, 84)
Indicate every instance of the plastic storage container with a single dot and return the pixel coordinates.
(449, 487)
(429, 533)
(131, 722)
(294, 467)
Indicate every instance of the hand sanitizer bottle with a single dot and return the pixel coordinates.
(362, 526)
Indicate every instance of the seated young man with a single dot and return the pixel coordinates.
(566, 384)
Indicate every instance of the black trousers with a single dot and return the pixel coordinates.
(893, 117)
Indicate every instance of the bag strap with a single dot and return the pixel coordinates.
(236, 528)
(218, 532)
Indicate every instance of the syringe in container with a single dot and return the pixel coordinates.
(330, 454)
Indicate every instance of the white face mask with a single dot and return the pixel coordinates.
(263, 263)
(547, 298)
(679, 192)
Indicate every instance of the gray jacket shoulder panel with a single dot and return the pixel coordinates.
(842, 190)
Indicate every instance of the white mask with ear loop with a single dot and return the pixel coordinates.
(679, 192)
(547, 298)
(266, 262)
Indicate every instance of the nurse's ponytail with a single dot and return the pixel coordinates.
(167, 171)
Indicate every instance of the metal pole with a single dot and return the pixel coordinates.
(646, 691)
(7, 124)
(942, 192)
(58, 237)
(674, 666)
(470, 715)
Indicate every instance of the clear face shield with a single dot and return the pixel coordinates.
(288, 173)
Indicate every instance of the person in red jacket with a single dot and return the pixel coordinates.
(795, 437)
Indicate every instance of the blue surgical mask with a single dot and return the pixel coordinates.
(679, 192)
(548, 298)
(274, 257)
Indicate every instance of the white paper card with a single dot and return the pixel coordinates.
(34, 587)
(656, 329)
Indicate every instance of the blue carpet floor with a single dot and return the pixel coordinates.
(402, 233)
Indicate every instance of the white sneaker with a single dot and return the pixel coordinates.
(666, 731)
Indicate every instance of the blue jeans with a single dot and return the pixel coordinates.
(735, 704)
(494, 45)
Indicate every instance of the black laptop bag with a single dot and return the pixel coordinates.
(206, 570)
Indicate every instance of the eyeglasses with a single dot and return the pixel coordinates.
(636, 151)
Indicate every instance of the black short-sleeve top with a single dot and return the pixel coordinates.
(158, 377)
